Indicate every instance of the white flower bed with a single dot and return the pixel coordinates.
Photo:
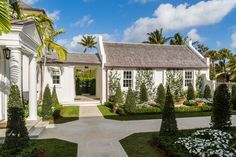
(208, 143)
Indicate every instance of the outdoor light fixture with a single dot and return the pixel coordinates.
(7, 53)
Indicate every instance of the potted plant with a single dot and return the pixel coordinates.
(200, 102)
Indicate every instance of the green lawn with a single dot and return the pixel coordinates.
(68, 114)
(143, 144)
(56, 148)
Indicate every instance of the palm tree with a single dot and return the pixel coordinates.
(156, 37)
(178, 39)
(232, 66)
(214, 56)
(5, 17)
(224, 56)
(88, 42)
(45, 27)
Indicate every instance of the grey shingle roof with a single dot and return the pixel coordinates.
(76, 58)
(127, 55)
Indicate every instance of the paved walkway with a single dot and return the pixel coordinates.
(99, 137)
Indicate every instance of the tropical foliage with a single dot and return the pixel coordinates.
(156, 37)
(88, 42)
(178, 39)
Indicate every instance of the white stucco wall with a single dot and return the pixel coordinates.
(159, 76)
(66, 88)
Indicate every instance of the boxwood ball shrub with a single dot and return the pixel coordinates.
(130, 103)
(168, 124)
(47, 104)
(161, 96)
(233, 97)
(207, 92)
(221, 114)
(17, 136)
(190, 92)
(143, 96)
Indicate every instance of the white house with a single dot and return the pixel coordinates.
(18, 64)
(126, 60)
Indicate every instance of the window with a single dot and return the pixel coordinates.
(127, 79)
(188, 78)
(56, 76)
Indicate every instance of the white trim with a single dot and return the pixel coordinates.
(190, 45)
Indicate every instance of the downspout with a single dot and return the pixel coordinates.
(107, 85)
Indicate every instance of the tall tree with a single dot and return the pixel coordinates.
(88, 42)
(201, 48)
(156, 37)
(214, 56)
(178, 39)
(224, 57)
(45, 27)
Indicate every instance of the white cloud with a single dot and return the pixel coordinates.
(55, 15)
(141, 1)
(30, 2)
(233, 37)
(84, 21)
(194, 36)
(183, 16)
(74, 46)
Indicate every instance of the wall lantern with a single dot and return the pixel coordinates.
(7, 53)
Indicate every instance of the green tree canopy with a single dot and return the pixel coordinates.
(156, 37)
(88, 42)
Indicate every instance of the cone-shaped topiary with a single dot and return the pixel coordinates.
(161, 96)
(207, 92)
(168, 124)
(143, 96)
(221, 114)
(190, 92)
(47, 104)
(17, 136)
(130, 103)
(118, 95)
(233, 97)
(55, 102)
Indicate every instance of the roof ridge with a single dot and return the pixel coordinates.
(130, 43)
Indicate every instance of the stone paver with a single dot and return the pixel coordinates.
(99, 137)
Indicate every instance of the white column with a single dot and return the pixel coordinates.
(33, 89)
(15, 68)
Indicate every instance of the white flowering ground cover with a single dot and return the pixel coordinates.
(208, 143)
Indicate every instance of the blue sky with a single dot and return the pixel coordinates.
(211, 22)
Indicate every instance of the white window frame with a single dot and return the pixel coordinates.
(188, 77)
(56, 77)
(127, 79)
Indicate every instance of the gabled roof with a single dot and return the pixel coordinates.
(25, 6)
(76, 58)
(129, 55)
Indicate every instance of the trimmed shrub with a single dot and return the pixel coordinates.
(143, 96)
(161, 96)
(130, 103)
(147, 110)
(118, 95)
(17, 136)
(221, 114)
(190, 92)
(207, 92)
(233, 97)
(55, 102)
(47, 104)
(168, 124)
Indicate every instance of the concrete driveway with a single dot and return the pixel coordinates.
(99, 137)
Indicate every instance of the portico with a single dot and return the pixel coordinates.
(21, 68)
